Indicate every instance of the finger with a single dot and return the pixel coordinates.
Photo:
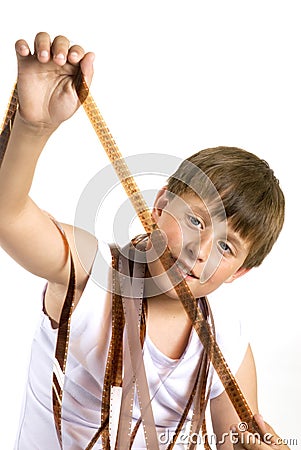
(42, 47)
(22, 48)
(60, 48)
(75, 54)
(263, 426)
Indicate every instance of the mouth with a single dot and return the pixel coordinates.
(184, 269)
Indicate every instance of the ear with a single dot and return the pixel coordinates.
(160, 203)
(239, 273)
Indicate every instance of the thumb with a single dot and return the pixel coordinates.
(268, 433)
(86, 66)
(263, 426)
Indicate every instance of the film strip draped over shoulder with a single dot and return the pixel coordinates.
(122, 310)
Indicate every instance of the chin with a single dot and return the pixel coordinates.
(162, 285)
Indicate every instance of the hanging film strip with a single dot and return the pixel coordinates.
(194, 313)
(191, 307)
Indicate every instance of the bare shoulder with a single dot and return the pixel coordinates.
(83, 248)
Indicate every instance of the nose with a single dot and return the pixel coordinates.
(199, 249)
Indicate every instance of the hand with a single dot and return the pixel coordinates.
(270, 440)
(46, 92)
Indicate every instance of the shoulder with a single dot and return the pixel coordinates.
(83, 248)
(92, 259)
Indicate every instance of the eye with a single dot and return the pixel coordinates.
(224, 247)
(195, 221)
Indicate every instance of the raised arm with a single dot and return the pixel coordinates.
(47, 97)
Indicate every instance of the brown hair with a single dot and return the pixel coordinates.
(251, 196)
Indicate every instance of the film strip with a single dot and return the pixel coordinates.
(200, 325)
(194, 313)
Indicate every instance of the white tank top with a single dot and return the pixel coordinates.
(168, 379)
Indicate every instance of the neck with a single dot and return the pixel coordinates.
(167, 303)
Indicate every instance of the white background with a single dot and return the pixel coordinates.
(173, 77)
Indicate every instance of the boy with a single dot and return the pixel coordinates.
(207, 249)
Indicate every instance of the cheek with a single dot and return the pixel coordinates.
(172, 229)
(223, 273)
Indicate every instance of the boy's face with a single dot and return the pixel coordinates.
(206, 251)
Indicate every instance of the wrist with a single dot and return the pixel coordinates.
(33, 130)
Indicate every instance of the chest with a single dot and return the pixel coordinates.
(169, 331)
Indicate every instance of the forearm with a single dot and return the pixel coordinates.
(222, 411)
(17, 170)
